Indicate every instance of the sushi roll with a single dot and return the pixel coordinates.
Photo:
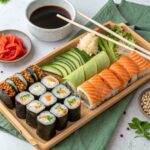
(46, 125)
(32, 111)
(37, 89)
(22, 79)
(33, 74)
(61, 113)
(48, 99)
(22, 99)
(49, 82)
(73, 104)
(61, 92)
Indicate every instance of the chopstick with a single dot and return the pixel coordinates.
(115, 34)
(101, 35)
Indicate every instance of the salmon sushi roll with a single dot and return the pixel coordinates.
(121, 73)
(143, 64)
(111, 79)
(130, 67)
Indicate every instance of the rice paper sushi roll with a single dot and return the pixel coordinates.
(73, 104)
(33, 110)
(37, 89)
(48, 99)
(61, 92)
(22, 99)
(49, 82)
(46, 125)
(61, 113)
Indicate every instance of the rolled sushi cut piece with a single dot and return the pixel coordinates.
(61, 113)
(22, 99)
(37, 89)
(61, 92)
(12, 84)
(110, 79)
(46, 125)
(143, 64)
(33, 74)
(73, 104)
(22, 79)
(49, 82)
(130, 67)
(48, 99)
(102, 61)
(33, 110)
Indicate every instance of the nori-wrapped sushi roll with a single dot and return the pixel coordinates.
(33, 74)
(21, 78)
(12, 84)
(33, 110)
(61, 92)
(73, 104)
(61, 113)
(22, 99)
(48, 99)
(37, 89)
(50, 82)
(46, 125)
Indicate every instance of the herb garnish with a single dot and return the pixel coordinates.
(141, 128)
(4, 1)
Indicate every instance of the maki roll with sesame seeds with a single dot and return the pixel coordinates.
(73, 104)
(61, 92)
(21, 100)
(46, 125)
(50, 82)
(37, 89)
(32, 111)
(48, 99)
(61, 113)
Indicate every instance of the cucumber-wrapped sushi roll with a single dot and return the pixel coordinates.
(61, 92)
(33, 110)
(46, 125)
(22, 99)
(48, 99)
(61, 113)
(37, 89)
(73, 104)
(50, 82)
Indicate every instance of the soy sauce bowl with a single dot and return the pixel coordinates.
(45, 34)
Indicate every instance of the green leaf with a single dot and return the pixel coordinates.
(132, 125)
(4, 1)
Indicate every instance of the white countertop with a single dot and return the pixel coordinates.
(12, 15)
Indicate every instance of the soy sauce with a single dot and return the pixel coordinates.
(45, 17)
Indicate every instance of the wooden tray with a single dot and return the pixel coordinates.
(86, 114)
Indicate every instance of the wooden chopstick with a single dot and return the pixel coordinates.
(101, 35)
(115, 34)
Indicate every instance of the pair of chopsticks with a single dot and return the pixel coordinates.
(140, 50)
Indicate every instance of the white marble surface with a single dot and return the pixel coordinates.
(12, 16)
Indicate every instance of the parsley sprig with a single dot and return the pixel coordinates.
(4, 1)
(141, 128)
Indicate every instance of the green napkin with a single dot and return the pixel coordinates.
(96, 134)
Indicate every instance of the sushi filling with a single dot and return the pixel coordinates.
(37, 89)
(59, 110)
(35, 106)
(46, 118)
(72, 102)
(61, 91)
(50, 82)
(48, 99)
(24, 98)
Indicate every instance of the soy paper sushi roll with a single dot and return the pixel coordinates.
(33, 110)
(49, 82)
(61, 92)
(61, 113)
(48, 99)
(21, 100)
(37, 89)
(73, 104)
(46, 125)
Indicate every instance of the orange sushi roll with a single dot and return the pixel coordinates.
(111, 79)
(143, 64)
(130, 67)
(121, 73)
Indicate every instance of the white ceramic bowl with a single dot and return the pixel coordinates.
(50, 34)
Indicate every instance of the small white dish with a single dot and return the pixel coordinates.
(24, 37)
(50, 34)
